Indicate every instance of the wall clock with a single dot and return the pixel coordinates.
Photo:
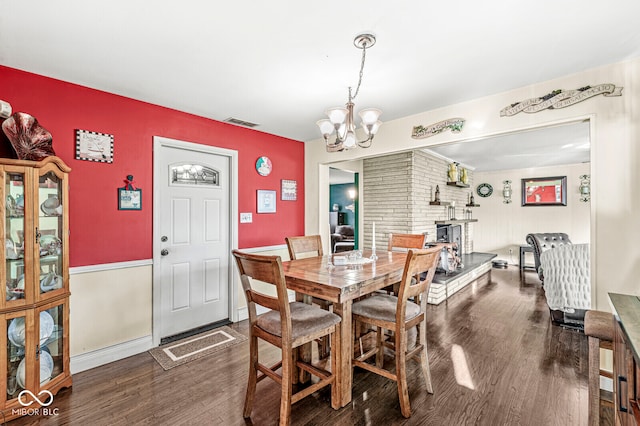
(484, 190)
(264, 166)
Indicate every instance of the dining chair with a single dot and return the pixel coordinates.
(399, 314)
(287, 325)
(308, 246)
(404, 242)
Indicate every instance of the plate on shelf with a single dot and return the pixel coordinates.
(15, 332)
(46, 369)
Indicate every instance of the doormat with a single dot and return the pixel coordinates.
(195, 347)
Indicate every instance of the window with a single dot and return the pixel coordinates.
(193, 174)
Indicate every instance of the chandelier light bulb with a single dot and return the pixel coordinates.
(372, 129)
(337, 115)
(350, 140)
(326, 127)
(369, 115)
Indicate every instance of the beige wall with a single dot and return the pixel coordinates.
(502, 226)
(109, 307)
(615, 161)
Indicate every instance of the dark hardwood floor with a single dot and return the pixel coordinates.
(495, 360)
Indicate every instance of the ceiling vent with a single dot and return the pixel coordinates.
(240, 122)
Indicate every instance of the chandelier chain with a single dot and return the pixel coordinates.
(364, 53)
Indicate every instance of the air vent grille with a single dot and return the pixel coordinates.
(239, 122)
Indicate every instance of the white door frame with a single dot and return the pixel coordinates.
(158, 142)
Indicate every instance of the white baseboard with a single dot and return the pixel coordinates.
(109, 354)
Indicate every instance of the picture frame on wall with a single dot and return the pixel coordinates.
(289, 190)
(129, 199)
(266, 201)
(94, 146)
(544, 191)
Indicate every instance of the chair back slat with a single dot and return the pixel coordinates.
(306, 246)
(403, 242)
(422, 265)
(268, 270)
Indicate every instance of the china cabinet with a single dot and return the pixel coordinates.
(34, 313)
(626, 359)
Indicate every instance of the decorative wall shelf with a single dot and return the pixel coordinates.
(454, 221)
(439, 203)
(458, 184)
(472, 205)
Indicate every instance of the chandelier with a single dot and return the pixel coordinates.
(341, 119)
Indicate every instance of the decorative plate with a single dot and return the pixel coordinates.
(16, 330)
(264, 166)
(46, 369)
(484, 190)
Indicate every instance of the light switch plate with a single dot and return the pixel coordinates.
(246, 218)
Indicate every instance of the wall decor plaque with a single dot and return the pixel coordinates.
(560, 99)
(289, 190)
(453, 124)
(94, 146)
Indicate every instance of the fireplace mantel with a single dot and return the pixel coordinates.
(454, 221)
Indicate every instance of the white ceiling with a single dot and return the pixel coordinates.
(282, 63)
(550, 146)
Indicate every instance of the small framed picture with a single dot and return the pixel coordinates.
(129, 199)
(289, 191)
(94, 146)
(266, 201)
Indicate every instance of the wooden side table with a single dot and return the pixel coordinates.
(525, 249)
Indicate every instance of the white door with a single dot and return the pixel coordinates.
(192, 217)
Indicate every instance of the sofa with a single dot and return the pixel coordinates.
(342, 238)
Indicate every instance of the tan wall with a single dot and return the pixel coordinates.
(502, 226)
(109, 308)
(615, 161)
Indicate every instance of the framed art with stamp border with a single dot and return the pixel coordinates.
(94, 146)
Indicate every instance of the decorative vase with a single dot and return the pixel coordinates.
(453, 172)
(463, 175)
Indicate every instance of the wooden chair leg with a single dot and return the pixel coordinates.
(424, 355)
(335, 388)
(286, 387)
(323, 347)
(380, 347)
(253, 377)
(401, 372)
(594, 381)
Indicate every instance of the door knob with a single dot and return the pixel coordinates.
(164, 252)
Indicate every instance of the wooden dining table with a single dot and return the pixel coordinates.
(340, 284)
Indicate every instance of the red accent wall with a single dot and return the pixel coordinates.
(100, 233)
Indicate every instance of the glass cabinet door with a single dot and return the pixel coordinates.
(49, 233)
(17, 369)
(50, 353)
(14, 229)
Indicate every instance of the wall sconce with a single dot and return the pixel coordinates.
(585, 188)
(352, 193)
(506, 191)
